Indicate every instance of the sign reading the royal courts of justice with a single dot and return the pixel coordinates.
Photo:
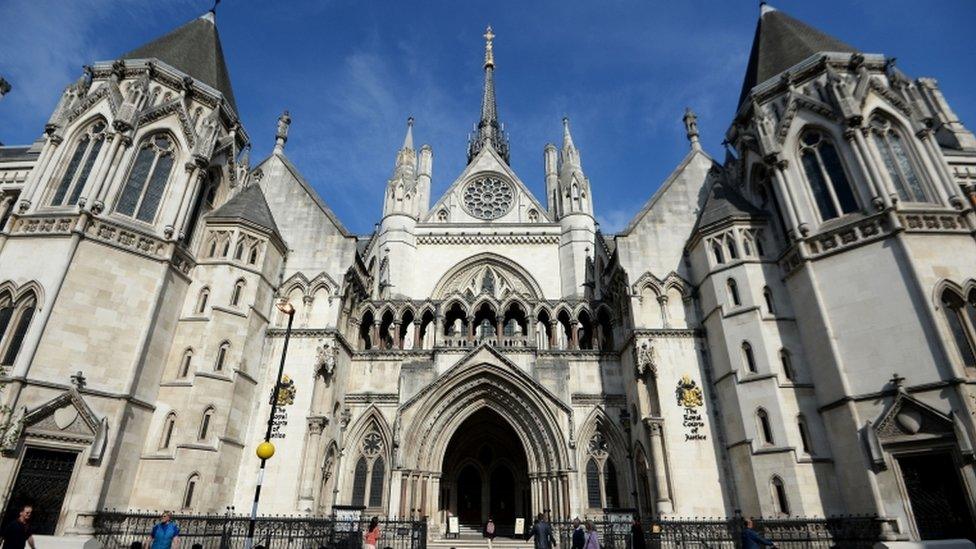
(690, 397)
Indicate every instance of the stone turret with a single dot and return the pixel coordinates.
(574, 209)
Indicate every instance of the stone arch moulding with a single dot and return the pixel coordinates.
(453, 279)
(485, 379)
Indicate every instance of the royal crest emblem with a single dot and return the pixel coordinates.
(689, 393)
(286, 392)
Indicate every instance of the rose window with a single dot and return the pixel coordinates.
(488, 197)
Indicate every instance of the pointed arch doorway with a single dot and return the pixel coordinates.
(485, 473)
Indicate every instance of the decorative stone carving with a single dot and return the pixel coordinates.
(489, 197)
(325, 358)
(646, 358)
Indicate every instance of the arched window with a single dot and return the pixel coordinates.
(749, 357)
(828, 182)
(768, 297)
(79, 166)
(376, 483)
(235, 298)
(765, 429)
(144, 188)
(221, 356)
(186, 362)
(6, 312)
(239, 251)
(601, 475)
(191, 487)
(801, 426)
(18, 318)
(593, 485)
(610, 484)
(212, 252)
(953, 307)
(253, 258)
(168, 426)
(202, 300)
(733, 292)
(369, 476)
(205, 423)
(787, 361)
(759, 245)
(730, 245)
(779, 497)
(359, 482)
(898, 163)
(746, 244)
(717, 252)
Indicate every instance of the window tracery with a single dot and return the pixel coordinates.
(832, 191)
(601, 474)
(488, 197)
(369, 475)
(79, 166)
(897, 161)
(143, 191)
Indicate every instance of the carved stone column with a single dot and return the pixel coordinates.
(552, 334)
(574, 335)
(654, 428)
(438, 329)
(377, 344)
(311, 458)
(471, 329)
(662, 300)
(397, 343)
(416, 334)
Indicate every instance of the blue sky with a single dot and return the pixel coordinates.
(351, 72)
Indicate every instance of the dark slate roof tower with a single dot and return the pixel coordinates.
(249, 206)
(194, 49)
(488, 130)
(781, 42)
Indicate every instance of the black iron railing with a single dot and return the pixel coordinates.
(116, 530)
(854, 532)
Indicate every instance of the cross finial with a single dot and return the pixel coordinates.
(897, 380)
(78, 380)
(489, 54)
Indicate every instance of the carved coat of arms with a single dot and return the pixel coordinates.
(286, 392)
(689, 393)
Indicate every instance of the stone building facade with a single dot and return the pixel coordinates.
(788, 331)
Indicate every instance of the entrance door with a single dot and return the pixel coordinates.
(935, 491)
(502, 488)
(42, 483)
(469, 496)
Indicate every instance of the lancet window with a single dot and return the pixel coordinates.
(143, 191)
(79, 166)
(897, 161)
(601, 474)
(15, 319)
(832, 191)
(369, 475)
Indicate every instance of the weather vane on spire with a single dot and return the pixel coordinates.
(489, 55)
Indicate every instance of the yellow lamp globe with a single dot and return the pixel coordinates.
(265, 450)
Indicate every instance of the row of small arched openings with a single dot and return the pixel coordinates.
(565, 330)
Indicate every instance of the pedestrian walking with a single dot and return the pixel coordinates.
(579, 534)
(542, 532)
(17, 533)
(751, 539)
(592, 538)
(637, 534)
(372, 534)
(490, 531)
(165, 534)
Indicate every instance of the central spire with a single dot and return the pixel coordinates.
(488, 129)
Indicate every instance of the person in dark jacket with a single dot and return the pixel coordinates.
(542, 532)
(579, 534)
(751, 539)
(17, 533)
(637, 534)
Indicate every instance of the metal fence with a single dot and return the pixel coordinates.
(117, 530)
(855, 532)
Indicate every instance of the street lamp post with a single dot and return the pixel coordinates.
(266, 449)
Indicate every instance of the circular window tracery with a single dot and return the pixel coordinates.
(489, 197)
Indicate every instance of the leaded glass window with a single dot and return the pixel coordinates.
(954, 309)
(900, 167)
(832, 192)
(601, 475)
(79, 166)
(359, 482)
(488, 197)
(20, 319)
(144, 188)
(593, 485)
(369, 476)
(376, 483)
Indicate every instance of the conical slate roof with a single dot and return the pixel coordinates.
(724, 202)
(195, 50)
(781, 42)
(249, 205)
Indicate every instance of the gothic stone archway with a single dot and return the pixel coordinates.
(482, 387)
